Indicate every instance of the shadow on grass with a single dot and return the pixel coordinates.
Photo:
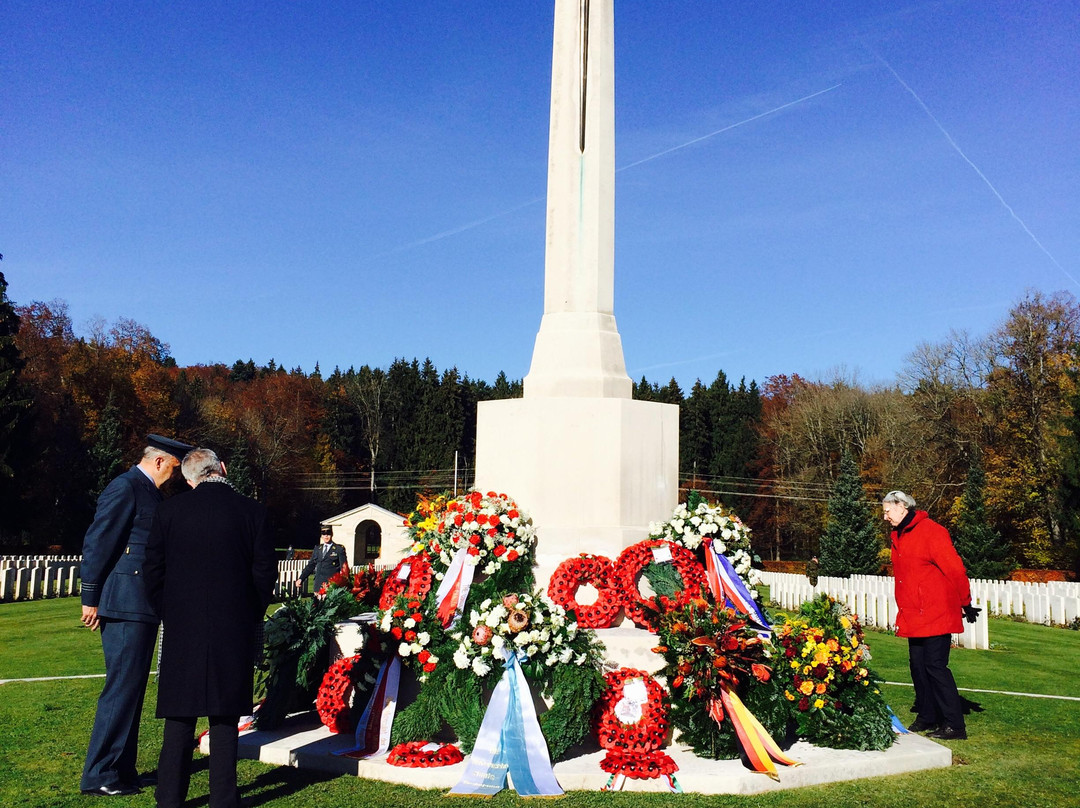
(281, 781)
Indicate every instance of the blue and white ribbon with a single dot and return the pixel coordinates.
(510, 741)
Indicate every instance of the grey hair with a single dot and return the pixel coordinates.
(150, 452)
(899, 496)
(199, 464)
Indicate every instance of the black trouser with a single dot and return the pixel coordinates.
(935, 689)
(174, 764)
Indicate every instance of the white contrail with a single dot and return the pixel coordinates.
(975, 168)
(730, 127)
(469, 226)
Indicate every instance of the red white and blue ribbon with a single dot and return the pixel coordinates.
(727, 587)
(373, 729)
(510, 742)
(454, 588)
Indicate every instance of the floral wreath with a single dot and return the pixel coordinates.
(597, 571)
(406, 623)
(413, 586)
(632, 725)
(697, 522)
(335, 693)
(529, 624)
(490, 527)
(422, 755)
(635, 558)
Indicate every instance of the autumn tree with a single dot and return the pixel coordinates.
(851, 541)
(1030, 391)
(984, 552)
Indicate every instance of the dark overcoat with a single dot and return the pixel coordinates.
(210, 572)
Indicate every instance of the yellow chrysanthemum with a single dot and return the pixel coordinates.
(806, 688)
(818, 704)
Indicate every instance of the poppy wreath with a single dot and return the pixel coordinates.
(636, 558)
(335, 693)
(414, 587)
(597, 571)
(415, 755)
(633, 730)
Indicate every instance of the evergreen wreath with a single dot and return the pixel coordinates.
(596, 571)
(635, 559)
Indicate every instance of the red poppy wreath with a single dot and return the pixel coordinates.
(335, 693)
(414, 586)
(596, 571)
(636, 558)
(632, 725)
(422, 755)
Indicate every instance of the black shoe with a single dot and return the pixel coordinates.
(922, 726)
(108, 791)
(146, 780)
(948, 733)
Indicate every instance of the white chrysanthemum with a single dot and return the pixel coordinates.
(461, 658)
(404, 649)
(423, 638)
(480, 667)
(409, 623)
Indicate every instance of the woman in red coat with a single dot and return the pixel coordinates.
(933, 596)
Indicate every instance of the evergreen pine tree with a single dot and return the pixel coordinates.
(107, 454)
(238, 468)
(13, 403)
(850, 543)
(984, 552)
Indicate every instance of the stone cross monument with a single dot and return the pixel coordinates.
(590, 464)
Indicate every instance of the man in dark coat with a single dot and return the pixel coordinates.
(114, 600)
(210, 573)
(327, 560)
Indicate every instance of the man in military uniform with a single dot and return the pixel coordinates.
(114, 600)
(327, 560)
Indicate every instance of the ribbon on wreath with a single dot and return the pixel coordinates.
(454, 588)
(761, 750)
(510, 741)
(373, 729)
(727, 587)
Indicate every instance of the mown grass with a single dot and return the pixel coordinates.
(1022, 751)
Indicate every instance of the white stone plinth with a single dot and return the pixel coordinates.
(592, 472)
(303, 742)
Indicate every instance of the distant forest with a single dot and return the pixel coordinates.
(74, 411)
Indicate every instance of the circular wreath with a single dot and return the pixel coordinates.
(335, 694)
(414, 587)
(632, 725)
(636, 558)
(414, 755)
(645, 734)
(597, 571)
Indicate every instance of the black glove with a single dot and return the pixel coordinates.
(971, 613)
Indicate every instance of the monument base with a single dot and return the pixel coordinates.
(305, 743)
(592, 472)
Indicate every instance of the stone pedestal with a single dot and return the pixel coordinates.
(592, 472)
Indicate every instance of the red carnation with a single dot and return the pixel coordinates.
(512, 555)
(499, 550)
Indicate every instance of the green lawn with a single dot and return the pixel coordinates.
(1022, 752)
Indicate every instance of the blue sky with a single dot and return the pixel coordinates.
(355, 181)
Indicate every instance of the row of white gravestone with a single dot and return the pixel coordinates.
(21, 561)
(33, 583)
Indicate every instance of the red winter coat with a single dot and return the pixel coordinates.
(931, 584)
